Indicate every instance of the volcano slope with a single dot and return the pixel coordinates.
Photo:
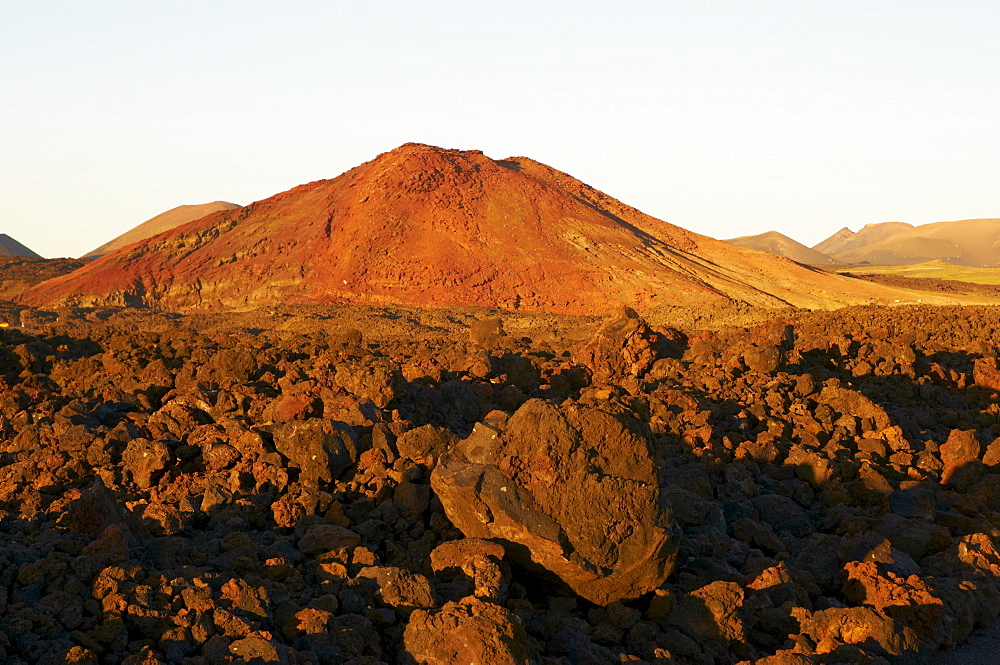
(430, 227)
(819, 488)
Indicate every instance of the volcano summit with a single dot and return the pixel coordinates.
(429, 227)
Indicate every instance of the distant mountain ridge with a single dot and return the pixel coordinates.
(782, 245)
(845, 239)
(967, 242)
(10, 247)
(163, 222)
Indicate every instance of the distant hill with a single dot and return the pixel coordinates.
(427, 227)
(969, 242)
(782, 245)
(162, 222)
(845, 239)
(10, 247)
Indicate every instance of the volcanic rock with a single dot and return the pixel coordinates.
(144, 460)
(961, 448)
(321, 538)
(148, 513)
(852, 403)
(573, 491)
(400, 589)
(476, 560)
(470, 631)
(624, 348)
(321, 449)
(908, 600)
(425, 442)
(833, 627)
(712, 612)
(486, 332)
(986, 373)
(97, 510)
(19, 273)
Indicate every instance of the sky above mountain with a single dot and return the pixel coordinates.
(724, 118)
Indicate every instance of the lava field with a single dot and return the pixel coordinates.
(820, 487)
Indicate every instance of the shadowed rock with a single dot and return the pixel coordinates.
(320, 449)
(97, 509)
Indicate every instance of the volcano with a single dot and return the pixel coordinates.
(430, 227)
(782, 245)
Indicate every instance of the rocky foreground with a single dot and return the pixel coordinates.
(821, 488)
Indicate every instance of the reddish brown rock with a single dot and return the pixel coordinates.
(961, 448)
(476, 560)
(909, 601)
(411, 499)
(372, 381)
(851, 402)
(831, 628)
(243, 596)
(321, 449)
(293, 407)
(986, 373)
(320, 538)
(915, 537)
(624, 348)
(573, 491)
(254, 649)
(400, 589)
(991, 456)
(96, 511)
(145, 460)
(470, 631)
(975, 552)
(486, 333)
(425, 443)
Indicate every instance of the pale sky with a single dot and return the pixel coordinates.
(726, 118)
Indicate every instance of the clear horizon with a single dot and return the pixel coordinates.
(725, 119)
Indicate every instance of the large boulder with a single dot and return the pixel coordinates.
(572, 490)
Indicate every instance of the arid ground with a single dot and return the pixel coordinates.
(339, 484)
